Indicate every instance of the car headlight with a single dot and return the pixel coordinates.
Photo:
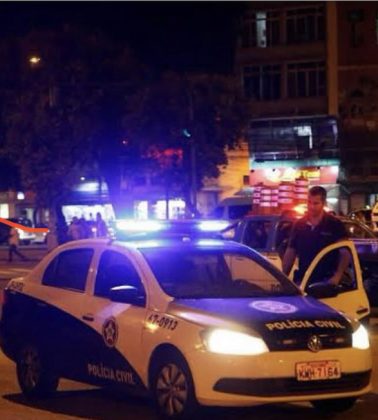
(233, 342)
(360, 338)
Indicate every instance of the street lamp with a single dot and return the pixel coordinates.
(34, 60)
(193, 168)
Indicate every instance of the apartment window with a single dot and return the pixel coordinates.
(261, 30)
(306, 79)
(305, 25)
(355, 17)
(262, 83)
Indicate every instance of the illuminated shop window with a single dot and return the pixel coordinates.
(4, 211)
(141, 209)
(176, 209)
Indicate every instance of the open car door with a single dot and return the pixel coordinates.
(351, 297)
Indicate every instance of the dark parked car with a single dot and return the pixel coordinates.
(364, 216)
(269, 235)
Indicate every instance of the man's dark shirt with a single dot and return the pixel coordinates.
(308, 241)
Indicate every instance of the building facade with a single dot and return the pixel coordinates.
(357, 39)
(295, 62)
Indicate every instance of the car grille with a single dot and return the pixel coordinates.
(300, 342)
(290, 386)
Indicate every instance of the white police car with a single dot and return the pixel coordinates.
(190, 321)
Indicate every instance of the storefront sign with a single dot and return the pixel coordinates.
(274, 175)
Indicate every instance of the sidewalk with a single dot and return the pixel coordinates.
(32, 252)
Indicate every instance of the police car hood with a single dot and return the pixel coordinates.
(273, 316)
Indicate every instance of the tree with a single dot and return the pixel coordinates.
(63, 109)
(198, 114)
(84, 104)
(9, 176)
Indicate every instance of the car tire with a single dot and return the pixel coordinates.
(34, 374)
(335, 405)
(172, 387)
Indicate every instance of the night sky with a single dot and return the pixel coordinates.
(185, 36)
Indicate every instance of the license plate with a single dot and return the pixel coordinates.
(317, 371)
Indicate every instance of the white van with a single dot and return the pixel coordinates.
(232, 208)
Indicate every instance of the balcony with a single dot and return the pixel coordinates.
(289, 107)
(281, 53)
(306, 138)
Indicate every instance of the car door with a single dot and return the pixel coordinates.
(352, 298)
(116, 348)
(57, 316)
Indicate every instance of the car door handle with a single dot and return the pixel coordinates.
(88, 317)
(362, 311)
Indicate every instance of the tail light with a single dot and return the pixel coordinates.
(3, 297)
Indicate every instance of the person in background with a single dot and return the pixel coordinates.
(85, 228)
(101, 228)
(92, 226)
(310, 234)
(74, 230)
(13, 243)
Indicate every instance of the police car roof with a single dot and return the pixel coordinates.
(183, 242)
(159, 243)
(136, 230)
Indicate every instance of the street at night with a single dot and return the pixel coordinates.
(193, 187)
(75, 400)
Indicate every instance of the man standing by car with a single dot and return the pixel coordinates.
(13, 242)
(310, 234)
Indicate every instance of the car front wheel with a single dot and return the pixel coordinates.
(172, 388)
(336, 405)
(33, 373)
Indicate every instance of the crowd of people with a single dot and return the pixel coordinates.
(80, 228)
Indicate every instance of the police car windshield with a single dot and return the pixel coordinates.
(200, 273)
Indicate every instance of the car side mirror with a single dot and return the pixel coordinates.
(127, 294)
(322, 290)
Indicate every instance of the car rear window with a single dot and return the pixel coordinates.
(69, 269)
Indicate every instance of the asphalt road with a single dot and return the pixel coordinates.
(77, 401)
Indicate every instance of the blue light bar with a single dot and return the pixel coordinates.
(208, 242)
(213, 225)
(139, 225)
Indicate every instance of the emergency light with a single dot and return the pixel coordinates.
(183, 227)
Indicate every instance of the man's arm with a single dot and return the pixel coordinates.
(288, 260)
(344, 260)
